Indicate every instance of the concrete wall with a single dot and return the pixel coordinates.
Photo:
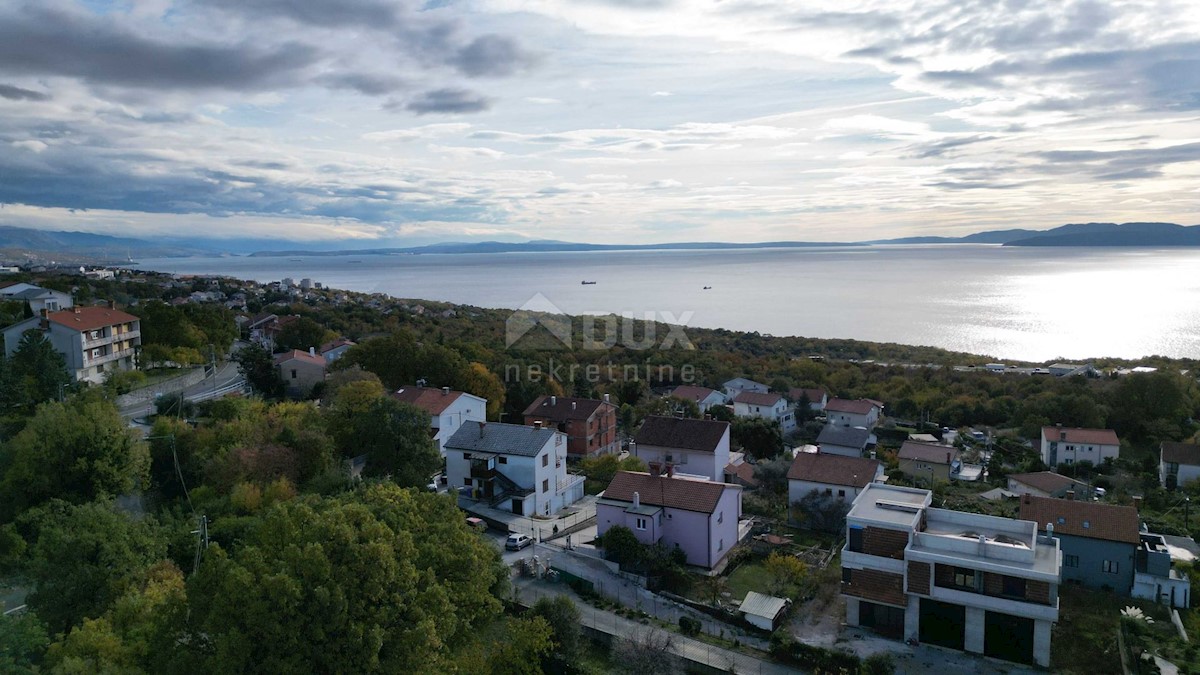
(149, 393)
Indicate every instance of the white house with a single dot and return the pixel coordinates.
(740, 384)
(448, 409)
(766, 406)
(833, 475)
(1065, 445)
(38, 298)
(94, 341)
(683, 446)
(862, 412)
(845, 441)
(704, 397)
(763, 611)
(1046, 484)
(512, 467)
(332, 351)
(1178, 464)
(698, 517)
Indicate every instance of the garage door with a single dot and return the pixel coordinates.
(1008, 637)
(942, 624)
(885, 620)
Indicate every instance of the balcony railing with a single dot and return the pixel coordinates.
(89, 342)
(105, 358)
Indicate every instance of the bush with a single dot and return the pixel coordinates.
(819, 660)
(689, 626)
(878, 664)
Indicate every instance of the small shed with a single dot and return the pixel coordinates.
(763, 611)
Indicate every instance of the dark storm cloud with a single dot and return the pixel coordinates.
(492, 56)
(50, 42)
(324, 13)
(369, 84)
(12, 93)
(448, 101)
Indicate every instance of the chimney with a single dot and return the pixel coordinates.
(112, 304)
(45, 312)
(670, 471)
(481, 426)
(573, 405)
(312, 351)
(1049, 529)
(947, 458)
(606, 399)
(1071, 494)
(1025, 498)
(77, 309)
(445, 391)
(637, 500)
(1062, 435)
(1137, 503)
(537, 424)
(553, 400)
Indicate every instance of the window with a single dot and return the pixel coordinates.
(641, 523)
(1014, 587)
(721, 545)
(841, 494)
(467, 482)
(721, 517)
(467, 455)
(1087, 524)
(1070, 561)
(293, 373)
(502, 460)
(545, 460)
(856, 537)
(1111, 566)
(846, 574)
(828, 491)
(546, 485)
(965, 578)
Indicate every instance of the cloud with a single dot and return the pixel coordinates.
(492, 56)
(414, 133)
(12, 93)
(448, 101)
(52, 42)
(33, 146)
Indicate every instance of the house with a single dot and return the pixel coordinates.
(926, 461)
(1155, 579)
(1178, 464)
(332, 351)
(698, 517)
(1047, 484)
(845, 441)
(834, 475)
(740, 384)
(1064, 445)
(1069, 369)
(265, 328)
(765, 406)
(965, 581)
(1099, 541)
(512, 467)
(37, 297)
(448, 409)
(301, 371)
(590, 425)
(861, 412)
(94, 341)
(704, 397)
(684, 446)
(763, 611)
(817, 398)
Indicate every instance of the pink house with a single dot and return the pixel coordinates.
(699, 517)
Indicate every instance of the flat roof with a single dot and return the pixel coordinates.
(890, 504)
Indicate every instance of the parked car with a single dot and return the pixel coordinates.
(516, 542)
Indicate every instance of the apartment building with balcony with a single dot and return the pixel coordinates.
(966, 581)
(590, 424)
(94, 341)
(512, 467)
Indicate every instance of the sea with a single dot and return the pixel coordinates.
(1032, 304)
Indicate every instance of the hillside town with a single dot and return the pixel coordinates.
(224, 440)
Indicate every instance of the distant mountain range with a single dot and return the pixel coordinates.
(16, 241)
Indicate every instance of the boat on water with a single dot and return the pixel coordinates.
(708, 288)
(588, 283)
(355, 262)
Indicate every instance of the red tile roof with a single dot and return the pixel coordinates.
(927, 452)
(90, 318)
(1180, 453)
(1046, 481)
(860, 407)
(560, 408)
(676, 493)
(755, 398)
(298, 355)
(680, 432)
(1082, 519)
(690, 392)
(1085, 436)
(744, 473)
(335, 344)
(819, 467)
(431, 400)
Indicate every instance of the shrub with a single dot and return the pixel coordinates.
(689, 626)
(878, 664)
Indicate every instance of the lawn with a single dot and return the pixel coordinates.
(749, 576)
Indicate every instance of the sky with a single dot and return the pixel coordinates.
(403, 122)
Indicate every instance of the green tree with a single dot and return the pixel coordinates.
(258, 367)
(786, 574)
(380, 580)
(81, 558)
(302, 334)
(562, 614)
(36, 372)
(395, 438)
(758, 436)
(621, 545)
(23, 641)
(523, 646)
(77, 451)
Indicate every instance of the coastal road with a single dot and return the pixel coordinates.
(225, 381)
